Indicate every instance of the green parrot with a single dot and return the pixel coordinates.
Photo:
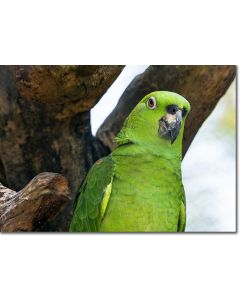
(138, 187)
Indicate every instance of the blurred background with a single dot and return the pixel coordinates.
(209, 167)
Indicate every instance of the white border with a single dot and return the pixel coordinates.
(150, 266)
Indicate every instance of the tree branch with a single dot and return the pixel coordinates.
(203, 86)
(35, 206)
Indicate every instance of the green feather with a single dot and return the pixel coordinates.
(90, 196)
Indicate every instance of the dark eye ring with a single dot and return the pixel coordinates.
(152, 103)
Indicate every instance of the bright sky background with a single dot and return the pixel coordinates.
(208, 168)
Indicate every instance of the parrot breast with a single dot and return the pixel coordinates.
(146, 195)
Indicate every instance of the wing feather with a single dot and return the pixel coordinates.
(93, 196)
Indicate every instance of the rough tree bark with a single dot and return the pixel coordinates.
(35, 207)
(45, 127)
(203, 86)
(45, 120)
(45, 123)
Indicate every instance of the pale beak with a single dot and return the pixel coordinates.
(170, 125)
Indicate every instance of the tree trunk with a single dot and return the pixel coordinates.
(202, 86)
(45, 122)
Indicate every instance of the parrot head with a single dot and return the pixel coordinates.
(157, 120)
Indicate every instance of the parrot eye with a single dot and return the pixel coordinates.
(152, 103)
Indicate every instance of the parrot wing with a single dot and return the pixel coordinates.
(93, 197)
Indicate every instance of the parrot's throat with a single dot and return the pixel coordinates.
(131, 149)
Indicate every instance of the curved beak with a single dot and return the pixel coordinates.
(170, 125)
